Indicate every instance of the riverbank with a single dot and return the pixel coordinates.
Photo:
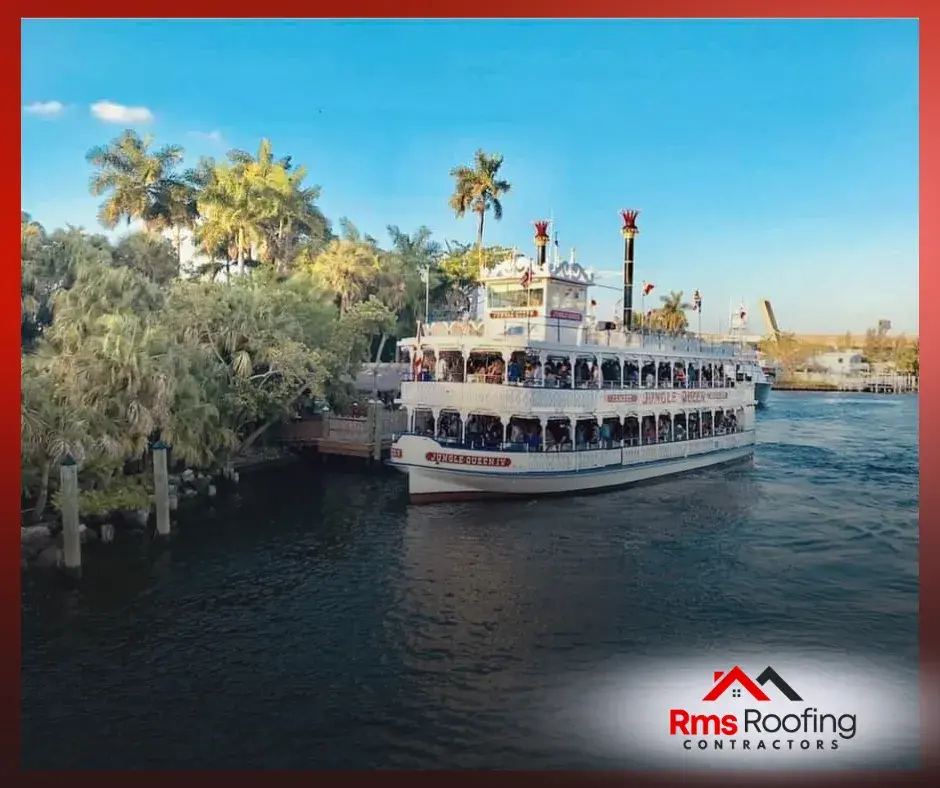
(42, 543)
(832, 388)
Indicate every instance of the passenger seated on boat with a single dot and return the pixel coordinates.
(494, 435)
(533, 439)
(494, 372)
(680, 432)
(580, 435)
(474, 432)
(516, 434)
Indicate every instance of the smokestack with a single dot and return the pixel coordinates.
(629, 232)
(541, 242)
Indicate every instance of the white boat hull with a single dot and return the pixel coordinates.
(762, 394)
(461, 474)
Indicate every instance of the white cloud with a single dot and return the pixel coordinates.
(210, 136)
(47, 109)
(109, 112)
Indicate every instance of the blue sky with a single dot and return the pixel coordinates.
(769, 159)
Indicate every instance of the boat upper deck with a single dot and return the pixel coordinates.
(513, 335)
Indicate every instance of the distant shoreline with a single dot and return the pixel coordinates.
(824, 389)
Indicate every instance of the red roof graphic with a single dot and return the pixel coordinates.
(729, 678)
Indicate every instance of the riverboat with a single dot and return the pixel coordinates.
(539, 398)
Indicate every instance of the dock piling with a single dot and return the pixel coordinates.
(71, 531)
(161, 488)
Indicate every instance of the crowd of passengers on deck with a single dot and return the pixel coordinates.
(525, 369)
(526, 434)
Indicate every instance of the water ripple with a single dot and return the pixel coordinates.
(316, 621)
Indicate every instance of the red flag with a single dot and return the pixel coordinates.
(527, 278)
(647, 288)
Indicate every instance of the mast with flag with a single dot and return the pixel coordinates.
(555, 249)
(644, 292)
(697, 307)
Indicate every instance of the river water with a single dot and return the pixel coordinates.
(313, 619)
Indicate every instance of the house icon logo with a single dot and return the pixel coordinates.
(738, 681)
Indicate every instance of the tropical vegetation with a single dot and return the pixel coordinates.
(132, 341)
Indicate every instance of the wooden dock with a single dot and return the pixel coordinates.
(367, 437)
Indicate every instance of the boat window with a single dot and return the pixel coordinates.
(511, 296)
(572, 298)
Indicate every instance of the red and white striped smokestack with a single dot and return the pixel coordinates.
(541, 240)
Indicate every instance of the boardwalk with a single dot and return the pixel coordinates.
(368, 437)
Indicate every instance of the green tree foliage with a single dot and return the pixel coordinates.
(478, 189)
(121, 348)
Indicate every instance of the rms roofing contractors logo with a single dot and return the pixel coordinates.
(771, 717)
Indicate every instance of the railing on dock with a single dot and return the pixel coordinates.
(368, 436)
(869, 383)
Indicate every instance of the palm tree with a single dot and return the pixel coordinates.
(177, 209)
(30, 232)
(672, 313)
(134, 178)
(230, 214)
(258, 208)
(479, 189)
(348, 269)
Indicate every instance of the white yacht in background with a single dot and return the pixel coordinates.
(761, 374)
(538, 398)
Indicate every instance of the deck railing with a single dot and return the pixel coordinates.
(556, 330)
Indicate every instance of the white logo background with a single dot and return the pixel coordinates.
(623, 712)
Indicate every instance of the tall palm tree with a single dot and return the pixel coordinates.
(177, 209)
(478, 189)
(230, 213)
(672, 313)
(347, 268)
(258, 207)
(134, 178)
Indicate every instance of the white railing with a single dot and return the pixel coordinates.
(486, 398)
(552, 331)
(592, 459)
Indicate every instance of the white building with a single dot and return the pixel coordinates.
(842, 362)
(192, 261)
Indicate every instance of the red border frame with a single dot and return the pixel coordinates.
(929, 297)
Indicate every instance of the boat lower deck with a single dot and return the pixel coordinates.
(440, 475)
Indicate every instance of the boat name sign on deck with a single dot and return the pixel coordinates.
(669, 397)
(464, 459)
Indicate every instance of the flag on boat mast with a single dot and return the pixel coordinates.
(648, 288)
(696, 301)
(555, 249)
(527, 276)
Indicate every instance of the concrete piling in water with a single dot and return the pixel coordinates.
(71, 528)
(376, 416)
(161, 488)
